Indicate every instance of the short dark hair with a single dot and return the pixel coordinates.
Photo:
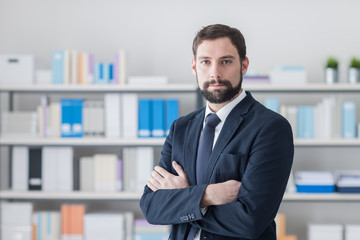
(215, 31)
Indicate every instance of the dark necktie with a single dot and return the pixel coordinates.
(203, 155)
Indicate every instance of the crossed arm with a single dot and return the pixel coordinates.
(215, 194)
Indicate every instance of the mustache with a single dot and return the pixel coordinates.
(218, 81)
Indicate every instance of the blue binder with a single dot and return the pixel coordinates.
(144, 129)
(158, 118)
(172, 113)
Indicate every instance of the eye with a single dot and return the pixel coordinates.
(226, 61)
(205, 61)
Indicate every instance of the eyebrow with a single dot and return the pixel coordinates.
(223, 57)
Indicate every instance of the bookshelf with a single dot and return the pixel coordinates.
(328, 154)
(290, 200)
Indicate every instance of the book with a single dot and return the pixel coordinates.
(87, 174)
(105, 175)
(35, 166)
(305, 122)
(16, 220)
(315, 181)
(144, 166)
(146, 231)
(71, 117)
(46, 225)
(348, 182)
(20, 168)
(109, 226)
(158, 118)
(130, 116)
(288, 75)
(57, 66)
(349, 119)
(272, 104)
(113, 115)
(172, 113)
(145, 118)
(57, 168)
(325, 231)
(72, 221)
(19, 124)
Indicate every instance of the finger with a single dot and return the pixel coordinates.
(162, 171)
(154, 182)
(152, 187)
(179, 170)
(157, 176)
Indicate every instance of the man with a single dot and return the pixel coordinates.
(236, 192)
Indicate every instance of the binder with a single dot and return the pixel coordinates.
(349, 119)
(158, 121)
(144, 118)
(171, 113)
(57, 66)
(35, 178)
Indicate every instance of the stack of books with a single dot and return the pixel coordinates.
(315, 182)
(325, 232)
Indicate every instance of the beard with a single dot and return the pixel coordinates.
(220, 95)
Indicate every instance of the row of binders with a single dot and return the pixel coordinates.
(324, 182)
(73, 67)
(118, 115)
(333, 231)
(330, 118)
(20, 221)
(51, 169)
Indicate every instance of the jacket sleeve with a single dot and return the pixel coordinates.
(263, 185)
(171, 206)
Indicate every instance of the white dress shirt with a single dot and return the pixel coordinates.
(222, 114)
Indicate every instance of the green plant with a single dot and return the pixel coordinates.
(355, 63)
(332, 63)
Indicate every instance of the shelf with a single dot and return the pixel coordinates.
(99, 88)
(9, 141)
(38, 195)
(87, 141)
(304, 88)
(322, 197)
(327, 142)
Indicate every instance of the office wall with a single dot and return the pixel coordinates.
(158, 34)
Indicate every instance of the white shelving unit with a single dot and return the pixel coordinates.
(317, 154)
(11, 141)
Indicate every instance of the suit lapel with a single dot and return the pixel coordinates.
(190, 151)
(232, 123)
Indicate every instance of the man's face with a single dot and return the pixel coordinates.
(218, 70)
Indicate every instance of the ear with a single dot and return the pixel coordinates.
(193, 66)
(244, 65)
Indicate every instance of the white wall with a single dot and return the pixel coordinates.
(158, 34)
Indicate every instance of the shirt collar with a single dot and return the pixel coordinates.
(224, 111)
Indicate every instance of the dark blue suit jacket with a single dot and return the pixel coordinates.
(255, 146)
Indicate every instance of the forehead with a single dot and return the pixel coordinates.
(217, 48)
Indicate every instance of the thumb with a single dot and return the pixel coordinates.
(179, 170)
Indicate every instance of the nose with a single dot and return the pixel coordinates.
(215, 72)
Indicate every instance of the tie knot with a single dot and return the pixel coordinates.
(212, 120)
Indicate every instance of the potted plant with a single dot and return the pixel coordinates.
(331, 70)
(354, 71)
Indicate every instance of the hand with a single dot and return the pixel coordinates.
(220, 193)
(162, 179)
